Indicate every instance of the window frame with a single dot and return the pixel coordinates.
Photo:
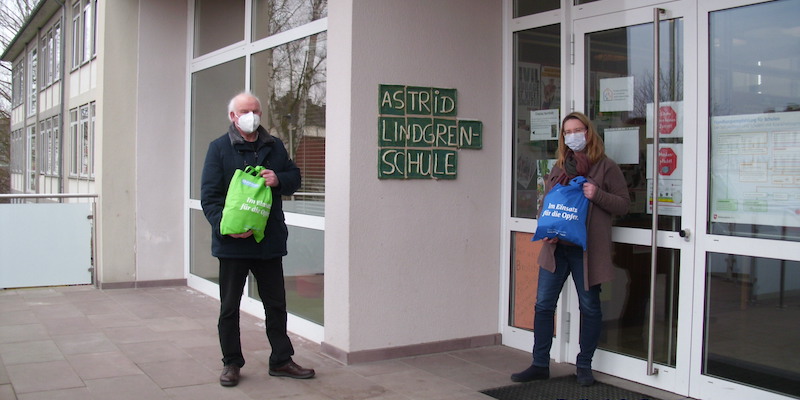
(18, 83)
(74, 142)
(32, 89)
(31, 168)
(84, 145)
(50, 58)
(77, 35)
(57, 51)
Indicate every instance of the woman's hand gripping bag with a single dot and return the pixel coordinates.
(564, 212)
(247, 204)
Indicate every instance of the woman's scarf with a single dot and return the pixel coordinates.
(575, 164)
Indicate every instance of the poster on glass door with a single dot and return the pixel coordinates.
(670, 122)
(755, 169)
(670, 183)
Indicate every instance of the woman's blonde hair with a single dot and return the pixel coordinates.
(595, 150)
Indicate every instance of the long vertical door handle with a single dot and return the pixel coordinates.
(654, 232)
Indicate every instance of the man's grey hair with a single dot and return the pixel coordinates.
(231, 104)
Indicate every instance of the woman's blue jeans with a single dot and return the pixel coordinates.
(569, 260)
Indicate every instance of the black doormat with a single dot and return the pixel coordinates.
(564, 388)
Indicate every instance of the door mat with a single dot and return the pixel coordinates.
(563, 388)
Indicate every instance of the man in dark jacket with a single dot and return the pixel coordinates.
(247, 143)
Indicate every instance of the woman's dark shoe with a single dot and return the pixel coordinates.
(585, 377)
(533, 373)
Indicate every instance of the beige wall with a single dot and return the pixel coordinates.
(416, 261)
(141, 141)
(160, 140)
(116, 141)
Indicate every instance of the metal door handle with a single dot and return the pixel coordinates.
(651, 369)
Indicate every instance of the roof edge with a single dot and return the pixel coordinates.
(40, 15)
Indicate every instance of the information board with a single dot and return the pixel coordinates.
(755, 169)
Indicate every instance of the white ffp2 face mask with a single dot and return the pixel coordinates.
(575, 141)
(248, 122)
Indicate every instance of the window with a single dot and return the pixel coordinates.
(289, 78)
(81, 139)
(56, 145)
(31, 160)
(537, 92)
(50, 55)
(92, 110)
(32, 75)
(57, 52)
(84, 148)
(88, 32)
(84, 31)
(292, 77)
(73, 142)
(18, 84)
(754, 165)
(271, 17)
(17, 153)
(528, 7)
(209, 33)
(43, 144)
(76, 34)
(94, 28)
(45, 71)
(49, 148)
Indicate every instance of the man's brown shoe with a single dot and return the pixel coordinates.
(292, 370)
(230, 375)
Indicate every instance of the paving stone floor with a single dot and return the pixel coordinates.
(80, 342)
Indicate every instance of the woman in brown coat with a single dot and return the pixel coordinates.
(580, 153)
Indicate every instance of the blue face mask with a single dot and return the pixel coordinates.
(575, 141)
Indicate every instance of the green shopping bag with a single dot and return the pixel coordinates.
(247, 204)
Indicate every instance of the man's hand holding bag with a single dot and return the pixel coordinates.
(247, 204)
(564, 213)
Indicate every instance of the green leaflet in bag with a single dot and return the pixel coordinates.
(247, 204)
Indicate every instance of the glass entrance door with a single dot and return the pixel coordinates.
(748, 245)
(712, 312)
(646, 308)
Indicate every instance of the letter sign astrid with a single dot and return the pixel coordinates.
(419, 135)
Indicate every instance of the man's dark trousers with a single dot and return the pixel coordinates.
(269, 278)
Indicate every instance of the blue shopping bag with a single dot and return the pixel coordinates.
(564, 213)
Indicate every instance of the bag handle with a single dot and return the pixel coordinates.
(254, 171)
(578, 180)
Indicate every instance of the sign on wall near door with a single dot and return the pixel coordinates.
(419, 134)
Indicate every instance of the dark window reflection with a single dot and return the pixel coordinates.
(209, 32)
(626, 303)
(529, 7)
(628, 53)
(752, 314)
(290, 80)
(274, 16)
(537, 88)
(754, 174)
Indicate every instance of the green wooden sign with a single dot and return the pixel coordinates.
(419, 135)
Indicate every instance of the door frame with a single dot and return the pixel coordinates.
(674, 379)
(706, 386)
(687, 377)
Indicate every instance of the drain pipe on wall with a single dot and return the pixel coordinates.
(62, 64)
